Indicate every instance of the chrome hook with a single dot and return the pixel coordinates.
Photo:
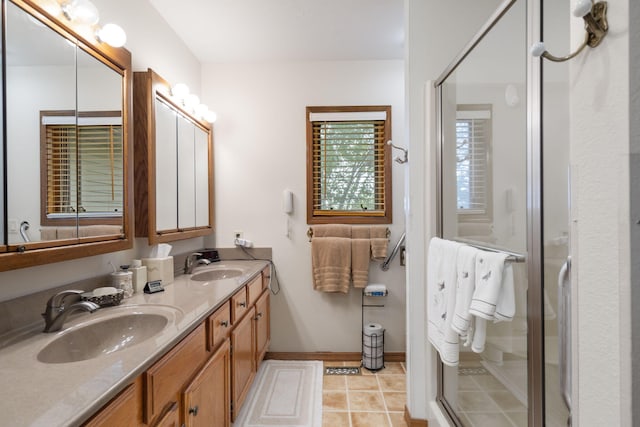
(595, 23)
(405, 157)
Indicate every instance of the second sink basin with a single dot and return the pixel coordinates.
(217, 274)
(103, 337)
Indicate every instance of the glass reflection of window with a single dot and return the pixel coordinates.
(473, 140)
(83, 163)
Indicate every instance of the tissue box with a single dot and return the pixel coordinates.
(159, 269)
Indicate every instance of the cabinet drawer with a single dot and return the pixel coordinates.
(219, 326)
(239, 304)
(255, 289)
(123, 410)
(165, 379)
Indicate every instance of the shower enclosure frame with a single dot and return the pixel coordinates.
(535, 324)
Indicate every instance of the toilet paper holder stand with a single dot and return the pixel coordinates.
(374, 360)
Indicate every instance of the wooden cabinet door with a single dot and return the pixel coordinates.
(206, 402)
(263, 331)
(123, 410)
(170, 419)
(165, 379)
(242, 360)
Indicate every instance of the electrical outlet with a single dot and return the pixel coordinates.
(237, 234)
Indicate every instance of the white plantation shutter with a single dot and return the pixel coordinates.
(473, 174)
(348, 166)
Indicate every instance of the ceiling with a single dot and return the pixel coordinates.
(287, 30)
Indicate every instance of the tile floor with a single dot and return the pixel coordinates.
(485, 401)
(373, 399)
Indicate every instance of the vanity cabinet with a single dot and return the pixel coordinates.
(204, 379)
(173, 165)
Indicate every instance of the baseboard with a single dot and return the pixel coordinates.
(413, 422)
(331, 356)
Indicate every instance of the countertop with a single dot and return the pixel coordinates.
(33, 393)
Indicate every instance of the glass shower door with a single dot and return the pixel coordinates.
(483, 200)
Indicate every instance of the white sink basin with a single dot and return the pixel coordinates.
(216, 274)
(116, 331)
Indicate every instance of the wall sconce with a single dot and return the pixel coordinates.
(595, 23)
(85, 14)
(191, 102)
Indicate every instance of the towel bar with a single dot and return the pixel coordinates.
(310, 233)
(511, 256)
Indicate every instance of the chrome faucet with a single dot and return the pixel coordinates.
(58, 310)
(189, 263)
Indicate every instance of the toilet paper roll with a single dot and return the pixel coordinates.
(373, 329)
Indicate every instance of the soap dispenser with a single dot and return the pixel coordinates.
(139, 275)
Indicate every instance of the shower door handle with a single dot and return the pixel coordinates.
(564, 330)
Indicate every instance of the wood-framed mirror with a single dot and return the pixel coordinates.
(67, 167)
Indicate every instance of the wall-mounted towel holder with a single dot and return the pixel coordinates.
(310, 233)
(511, 256)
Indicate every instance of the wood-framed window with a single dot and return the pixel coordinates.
(82, 169)
(349, 165)
(473, 163)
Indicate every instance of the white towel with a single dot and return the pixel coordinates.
(494, 297)
(441, 289)
(466, 268)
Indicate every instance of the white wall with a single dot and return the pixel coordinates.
(260, 150)
(154, 45)
(599, 134)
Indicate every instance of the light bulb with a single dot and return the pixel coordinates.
(112, 34)
(210, 116)
(81, 12)
(52, 7)
(537, 49)
(180, 91)
(200, 110)
(191, 100)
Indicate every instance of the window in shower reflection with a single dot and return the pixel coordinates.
(473, 169)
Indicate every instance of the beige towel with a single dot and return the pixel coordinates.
(48, 233)
(99, 230)
(379, 243)
(360, 255)
(331, 263)
(67, 232)
(331, 230)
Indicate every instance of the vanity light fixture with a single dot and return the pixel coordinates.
(112, 34)
(180, 91)
(191, 102)
(81, 12)
(595, 23)
(84, 13)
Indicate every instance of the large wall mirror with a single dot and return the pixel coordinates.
(67, 165)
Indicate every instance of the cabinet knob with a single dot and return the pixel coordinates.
(258, 316)
(193, 410)
(224, 323)
(242, 304)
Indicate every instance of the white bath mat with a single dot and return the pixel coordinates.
(284, 393)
